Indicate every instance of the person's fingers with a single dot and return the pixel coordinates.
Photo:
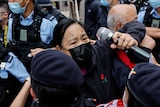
(35, 51)
(121, 42)
(132, 43)
(116, 37)
(113, 46)
(128, 41)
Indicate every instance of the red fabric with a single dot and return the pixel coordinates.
(113, 103)
(120, 103)
(125, 59)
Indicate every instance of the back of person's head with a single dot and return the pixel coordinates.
(4, 6)
(60, 29)
(3, 1)
(46, 4)
(55, 78)
(121, 13)
(144, 86)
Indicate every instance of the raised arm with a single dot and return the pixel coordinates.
(21, 98)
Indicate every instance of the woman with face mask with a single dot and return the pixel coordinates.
(94, 60)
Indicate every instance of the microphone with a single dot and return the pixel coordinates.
(105, 33)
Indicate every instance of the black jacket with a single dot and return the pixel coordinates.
(90, 21)
(99, 84)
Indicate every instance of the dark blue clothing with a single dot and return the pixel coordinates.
(99, 83)
(120, 72)
(12, 73)
(102, 16)
(90, 21)
(136, 29)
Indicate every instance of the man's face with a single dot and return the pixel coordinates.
(74, 36)
(15, 0)
(158, 9)
(21, 2)
(3, 15)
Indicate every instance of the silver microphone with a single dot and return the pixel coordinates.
(105, 33)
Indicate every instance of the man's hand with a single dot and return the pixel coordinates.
(36, 50)
(123, 41)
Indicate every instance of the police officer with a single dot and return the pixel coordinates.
(12, 71)
(149, 15)
(47, 5)
(90, 19)
(137, 3)
(3, 22)
(29, 27)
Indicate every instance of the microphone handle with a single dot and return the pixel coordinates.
(140, 51)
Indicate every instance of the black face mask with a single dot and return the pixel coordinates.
(82, 54)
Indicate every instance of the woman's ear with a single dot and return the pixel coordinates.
(59, 48)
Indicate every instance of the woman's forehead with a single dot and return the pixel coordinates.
(74, 28)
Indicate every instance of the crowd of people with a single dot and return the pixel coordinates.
(50, 60)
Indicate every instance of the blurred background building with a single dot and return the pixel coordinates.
(71, 8)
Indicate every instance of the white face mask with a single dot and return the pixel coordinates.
(16, 8)
(154, 3)
(132, 1)
(105, 3)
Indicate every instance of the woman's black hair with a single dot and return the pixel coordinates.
(60, 29)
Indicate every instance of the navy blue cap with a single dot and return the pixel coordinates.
(43, 1)
(54, 68)
(144, 84)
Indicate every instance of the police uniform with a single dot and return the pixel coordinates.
(151, 18)
(46, 29)
(12, 72)
(35, 31)
(137, 3)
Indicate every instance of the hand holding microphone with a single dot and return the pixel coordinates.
(122, 40)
